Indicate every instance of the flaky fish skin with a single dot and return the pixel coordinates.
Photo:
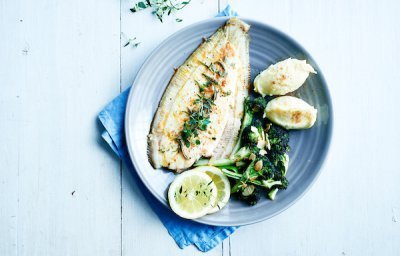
(228, 45)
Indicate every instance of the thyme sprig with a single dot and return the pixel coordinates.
(161, 8)
(199, 115)
(130, 41)
(213, 67)
(199, 118)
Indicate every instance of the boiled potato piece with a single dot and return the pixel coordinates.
(283, 77)
(291, 112)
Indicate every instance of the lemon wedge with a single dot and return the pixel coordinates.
(222, 184)
(192, 194)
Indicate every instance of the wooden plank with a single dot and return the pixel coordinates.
(59, 66)
(353, 207)
(9, 146)
(142, 232)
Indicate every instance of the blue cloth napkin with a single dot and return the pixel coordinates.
(184, 232)
(227, 12)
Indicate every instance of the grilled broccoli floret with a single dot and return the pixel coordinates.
(253, 134)
(247, 119)
(250, 195)
(241, 154)
(268, 168)
(273, 175)
(285, 183)
(250, 138)
(279, 139)
(271, 183)
(259, 126)
(281, 161)
(259, 104)
(271, 194)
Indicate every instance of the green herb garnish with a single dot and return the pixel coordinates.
(130, 41)
(161, 8)
(199, 116)
(202, 87)
(210, 80)
(198, 119)
(213, 67)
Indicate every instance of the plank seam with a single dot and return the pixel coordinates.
(120, 90)
(229, 239)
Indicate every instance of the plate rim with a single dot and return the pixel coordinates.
(324, 154)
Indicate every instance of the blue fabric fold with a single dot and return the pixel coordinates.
(184, 232)
(227, 12)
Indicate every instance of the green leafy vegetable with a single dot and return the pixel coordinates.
(247, 119)
(259, 160)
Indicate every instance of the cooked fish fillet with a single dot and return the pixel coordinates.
(217, 70)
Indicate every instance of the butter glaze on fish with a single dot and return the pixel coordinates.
(230, 47)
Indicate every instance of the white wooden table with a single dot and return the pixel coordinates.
(62, 192)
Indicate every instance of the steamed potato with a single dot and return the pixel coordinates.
(291, 112)
(283, 77)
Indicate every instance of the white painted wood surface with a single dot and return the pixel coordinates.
(62, 61)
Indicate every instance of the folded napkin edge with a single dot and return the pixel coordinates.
(103, 117)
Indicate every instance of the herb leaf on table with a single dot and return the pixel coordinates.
(130, 41)
(161, 8)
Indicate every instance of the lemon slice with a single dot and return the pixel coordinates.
(192, 194)
(222, 184)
